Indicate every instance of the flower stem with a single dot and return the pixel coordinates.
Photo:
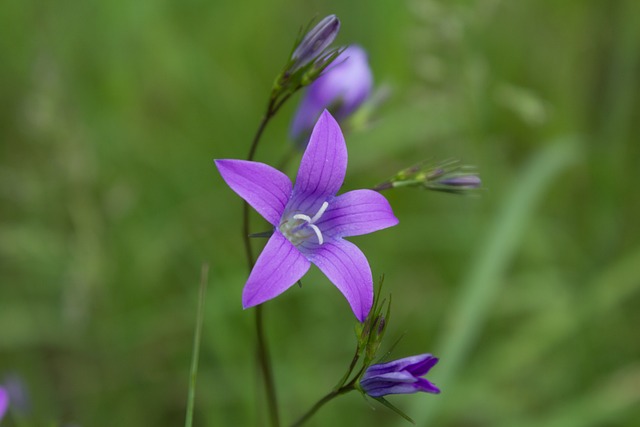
(334, 393)
(265, 367)
(204, 275)
(337, 391)
(352, 365)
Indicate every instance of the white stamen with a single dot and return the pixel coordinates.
(317, 216)
(318, 233)
(303, 217)
(311, 221)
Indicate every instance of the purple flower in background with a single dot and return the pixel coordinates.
(310, 221)
(4, 402)
(16, 388)
(341, 89)
(399, 377)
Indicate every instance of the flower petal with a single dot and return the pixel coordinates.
(265, 188)
(279, 266)
(391, 383)
(421, 367)
(396, 383)
(357, 212)
(427, 386)
(348, 269)
(416, 365)
(324, 162)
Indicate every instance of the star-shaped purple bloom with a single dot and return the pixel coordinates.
(310, 220)
(402, 376)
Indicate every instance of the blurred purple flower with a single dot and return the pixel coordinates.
(341, 89)
(310, 221)
(401, 376)
(4, 402)
(18, 394)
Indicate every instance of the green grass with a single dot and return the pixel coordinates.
(113, 111)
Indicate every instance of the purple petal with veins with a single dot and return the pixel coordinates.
(402, 376)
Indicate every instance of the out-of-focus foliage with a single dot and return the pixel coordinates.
(111, 115)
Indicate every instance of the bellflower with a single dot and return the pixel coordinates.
(402, 376)
(342, 88)
(310, 221)
(4, 402)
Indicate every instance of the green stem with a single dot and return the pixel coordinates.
(204, 274)
(337, 390)
(352, 365)
(267, 370)
(330, 396)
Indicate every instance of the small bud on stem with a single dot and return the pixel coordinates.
(448, 176)
(308, 59)
(315, 42)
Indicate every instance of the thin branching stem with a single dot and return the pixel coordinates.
(352, 365)
(320, 403)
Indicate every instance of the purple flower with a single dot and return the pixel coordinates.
(15, 387)
(310, 221)
(4, 402)
(342, 88)
(399, 377)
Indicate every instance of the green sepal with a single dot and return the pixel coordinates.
(388, 404)
(314, 69)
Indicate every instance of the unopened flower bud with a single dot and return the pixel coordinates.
(315, 42)
(381, 325)
(457, 180)
(449, 176)
(402, 376)
(462, 181)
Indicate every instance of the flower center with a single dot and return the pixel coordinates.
(300, 227)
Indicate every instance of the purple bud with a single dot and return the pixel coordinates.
(4, 402)
(381, 324)
(315, 42)
(402, 376)
(341, 89)
(463, 181)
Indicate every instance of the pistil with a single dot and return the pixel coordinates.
(293, 234)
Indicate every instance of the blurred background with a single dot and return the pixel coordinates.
(112, 113)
